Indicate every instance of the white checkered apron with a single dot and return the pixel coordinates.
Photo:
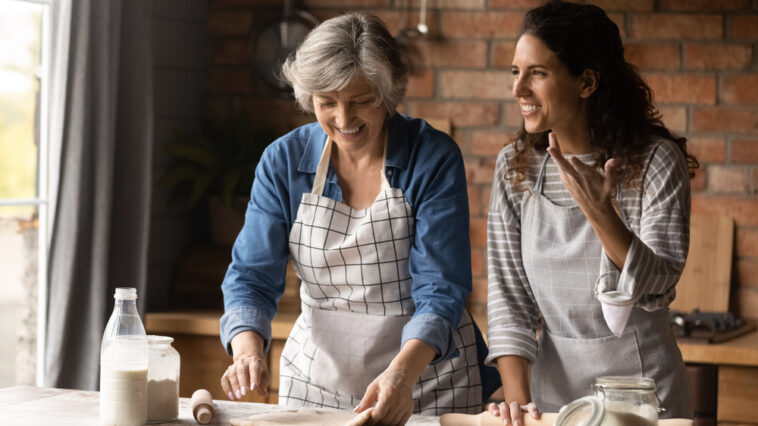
(561, 257)
(356, 298)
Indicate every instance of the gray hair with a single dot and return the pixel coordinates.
(340, 49)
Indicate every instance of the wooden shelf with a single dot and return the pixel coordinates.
(740, 351)
(206, 323)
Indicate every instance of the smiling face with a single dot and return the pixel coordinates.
(550, 97)
(351, 117)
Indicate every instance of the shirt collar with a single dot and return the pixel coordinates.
(397, 145)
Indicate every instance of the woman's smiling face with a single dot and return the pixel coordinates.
(549, 96)
(351, 116)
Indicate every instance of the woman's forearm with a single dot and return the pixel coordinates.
(612, 233)
(413, 358)
(247, 343)
(514, 373)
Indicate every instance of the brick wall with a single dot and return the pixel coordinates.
(699, 56)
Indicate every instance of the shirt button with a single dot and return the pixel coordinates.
(389, 172)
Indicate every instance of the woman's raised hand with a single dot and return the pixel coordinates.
(592, 190)
(249, 370)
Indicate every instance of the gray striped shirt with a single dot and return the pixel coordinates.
(658, 218)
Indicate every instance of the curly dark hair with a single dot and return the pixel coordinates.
(622, 118)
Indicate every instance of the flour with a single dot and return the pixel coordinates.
(162, 400)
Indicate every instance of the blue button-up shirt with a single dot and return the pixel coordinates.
(422, 161)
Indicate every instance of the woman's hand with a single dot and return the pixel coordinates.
(512, 413)
(593, 193)
(249, 370)
(592, 190)
(393, 393)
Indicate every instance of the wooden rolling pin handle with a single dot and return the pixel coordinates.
(202, 406)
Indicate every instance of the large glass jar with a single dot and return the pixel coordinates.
(627, 400)
(162, 380)
(617, 401)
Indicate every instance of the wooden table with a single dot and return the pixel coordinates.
(28, 405)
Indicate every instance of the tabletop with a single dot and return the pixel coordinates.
(29, 405)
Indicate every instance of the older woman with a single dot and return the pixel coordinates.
(588, 227)
(371, 208)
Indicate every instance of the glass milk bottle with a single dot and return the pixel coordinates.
(123, 364)
(162, 380)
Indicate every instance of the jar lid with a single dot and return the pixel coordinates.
(585, 411)
(159, 340)
(625, 382)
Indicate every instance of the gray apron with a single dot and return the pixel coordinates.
(356, 299)
(561, 257)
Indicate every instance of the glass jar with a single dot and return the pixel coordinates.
(618, 401)
(162, 380)
(123, 364)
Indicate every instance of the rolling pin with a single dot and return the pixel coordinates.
(202, 406)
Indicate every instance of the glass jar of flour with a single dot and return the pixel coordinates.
(162, 380)
(618, 401)
(123, 364)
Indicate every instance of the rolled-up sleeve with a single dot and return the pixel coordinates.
(439, 263)
(658, 252)
(255, 279)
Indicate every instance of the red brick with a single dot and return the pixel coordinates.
(715, 119)
(513, 116)
(744, 26)
(452, 53)
(245, 3)
(744, 151)
(707, 150)
(487, 24)
(740, 89)
(747, 273)
(676, 26)
(476, 84)
(479, 170)
(754, 188)
(515, 4)
(486, 142)
(619, 19)
(719, 56)
(698, 183)
(459, 113)
(742, 209)
(674, 118)
(653, 56)
(478, 297)
(704, 5)
(231, 51)
(474, 200)
(676, 88)
(747, 301)
(624, 5)
(502, 56)
(746, 242)
(352, 4)
(421, 84)
(230, 22)
(728, 179)
(229, 80)
(478, 263)
(478, 232)
(448, 4)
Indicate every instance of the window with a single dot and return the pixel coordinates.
(24, 76)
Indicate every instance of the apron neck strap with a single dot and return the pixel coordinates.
(538, 188)
(323, 168)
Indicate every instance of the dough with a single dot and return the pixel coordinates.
(305, 417)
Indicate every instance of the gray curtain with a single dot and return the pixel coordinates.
(100, 233)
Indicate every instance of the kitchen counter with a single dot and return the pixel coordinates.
(28, 405)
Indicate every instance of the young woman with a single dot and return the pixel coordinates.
(588, 227)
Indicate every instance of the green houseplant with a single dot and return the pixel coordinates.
(215, 166)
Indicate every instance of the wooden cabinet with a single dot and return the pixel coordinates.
(203, 359)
